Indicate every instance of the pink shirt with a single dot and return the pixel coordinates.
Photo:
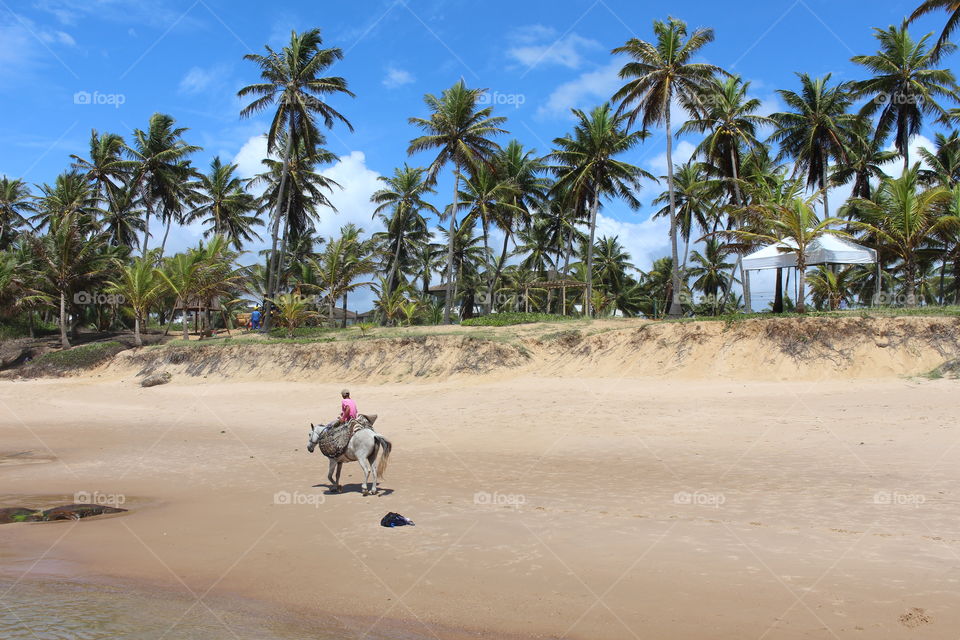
(348, 409)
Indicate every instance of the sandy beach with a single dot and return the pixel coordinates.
(547, 507)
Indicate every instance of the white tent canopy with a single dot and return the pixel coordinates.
(827, 249)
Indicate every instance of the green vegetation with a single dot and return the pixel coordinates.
(86, 251)
(505, 319)
(67, 360)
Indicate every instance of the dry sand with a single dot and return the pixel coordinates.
(622, 506)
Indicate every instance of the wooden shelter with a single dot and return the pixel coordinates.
(551, 285)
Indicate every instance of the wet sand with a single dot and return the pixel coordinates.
(544, 507)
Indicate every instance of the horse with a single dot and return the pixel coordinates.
(363, 447)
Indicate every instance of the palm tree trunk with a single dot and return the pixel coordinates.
(146, 229)
(911, 284)
(275, 269)
(778, 294)
(448, 290)
(64, 340)
(486, 256)
(675, 308)
(826, 188)
(392, 281)
(136, 330)
(735, 170)
(275, 231)
(343, 325)
(588, 301)
(499, 270)
(163, 245)
(185, 324)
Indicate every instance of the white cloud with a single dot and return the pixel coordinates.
(538, 46)
(397, 78)
(645, 241)
(249, 158)
(198, 79)
(682, 151)
(353, 201)
(894, 168)
(586, 91)
(25, 45)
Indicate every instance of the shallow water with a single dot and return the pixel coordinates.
(57, 610)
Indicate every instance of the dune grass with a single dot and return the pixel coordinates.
(512, 318)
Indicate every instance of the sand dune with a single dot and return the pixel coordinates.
(785, 349)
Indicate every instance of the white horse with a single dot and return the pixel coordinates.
(363, 448)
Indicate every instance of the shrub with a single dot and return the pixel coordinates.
(505, 319)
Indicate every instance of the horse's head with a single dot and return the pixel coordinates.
(313, 439)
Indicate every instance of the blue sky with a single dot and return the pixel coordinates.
(538, 58)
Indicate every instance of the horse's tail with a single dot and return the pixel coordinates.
(387, 447)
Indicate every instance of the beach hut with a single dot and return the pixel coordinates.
(827, 249)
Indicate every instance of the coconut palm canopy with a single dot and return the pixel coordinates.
(476, 216)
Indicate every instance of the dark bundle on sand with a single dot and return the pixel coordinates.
(333, 442)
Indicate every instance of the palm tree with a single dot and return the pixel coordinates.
(405, 226)
(905, 86)
(815, 130)
(338, 266)
(523, 169)
(587, 164)
(865, 159)
(944, 161)
(659, 74)
(106, 169)
(905, 219)
(304, 191)
(70, 193)
(294, 310)
(929, 6)
(161, 170)
(16, 203)
(124, 219)
(695, 198)
(792, 226)
(141, 286)
(223, 205)
(427, 258)
(830, 287)
(611, 263)
(70, 257)
(488, 196)
(461, 133)
(291, 82)
(709, 271)
(183, 276)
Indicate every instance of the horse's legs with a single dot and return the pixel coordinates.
(339, 469)
(365, 465)
(372, 461)
(335, 484)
